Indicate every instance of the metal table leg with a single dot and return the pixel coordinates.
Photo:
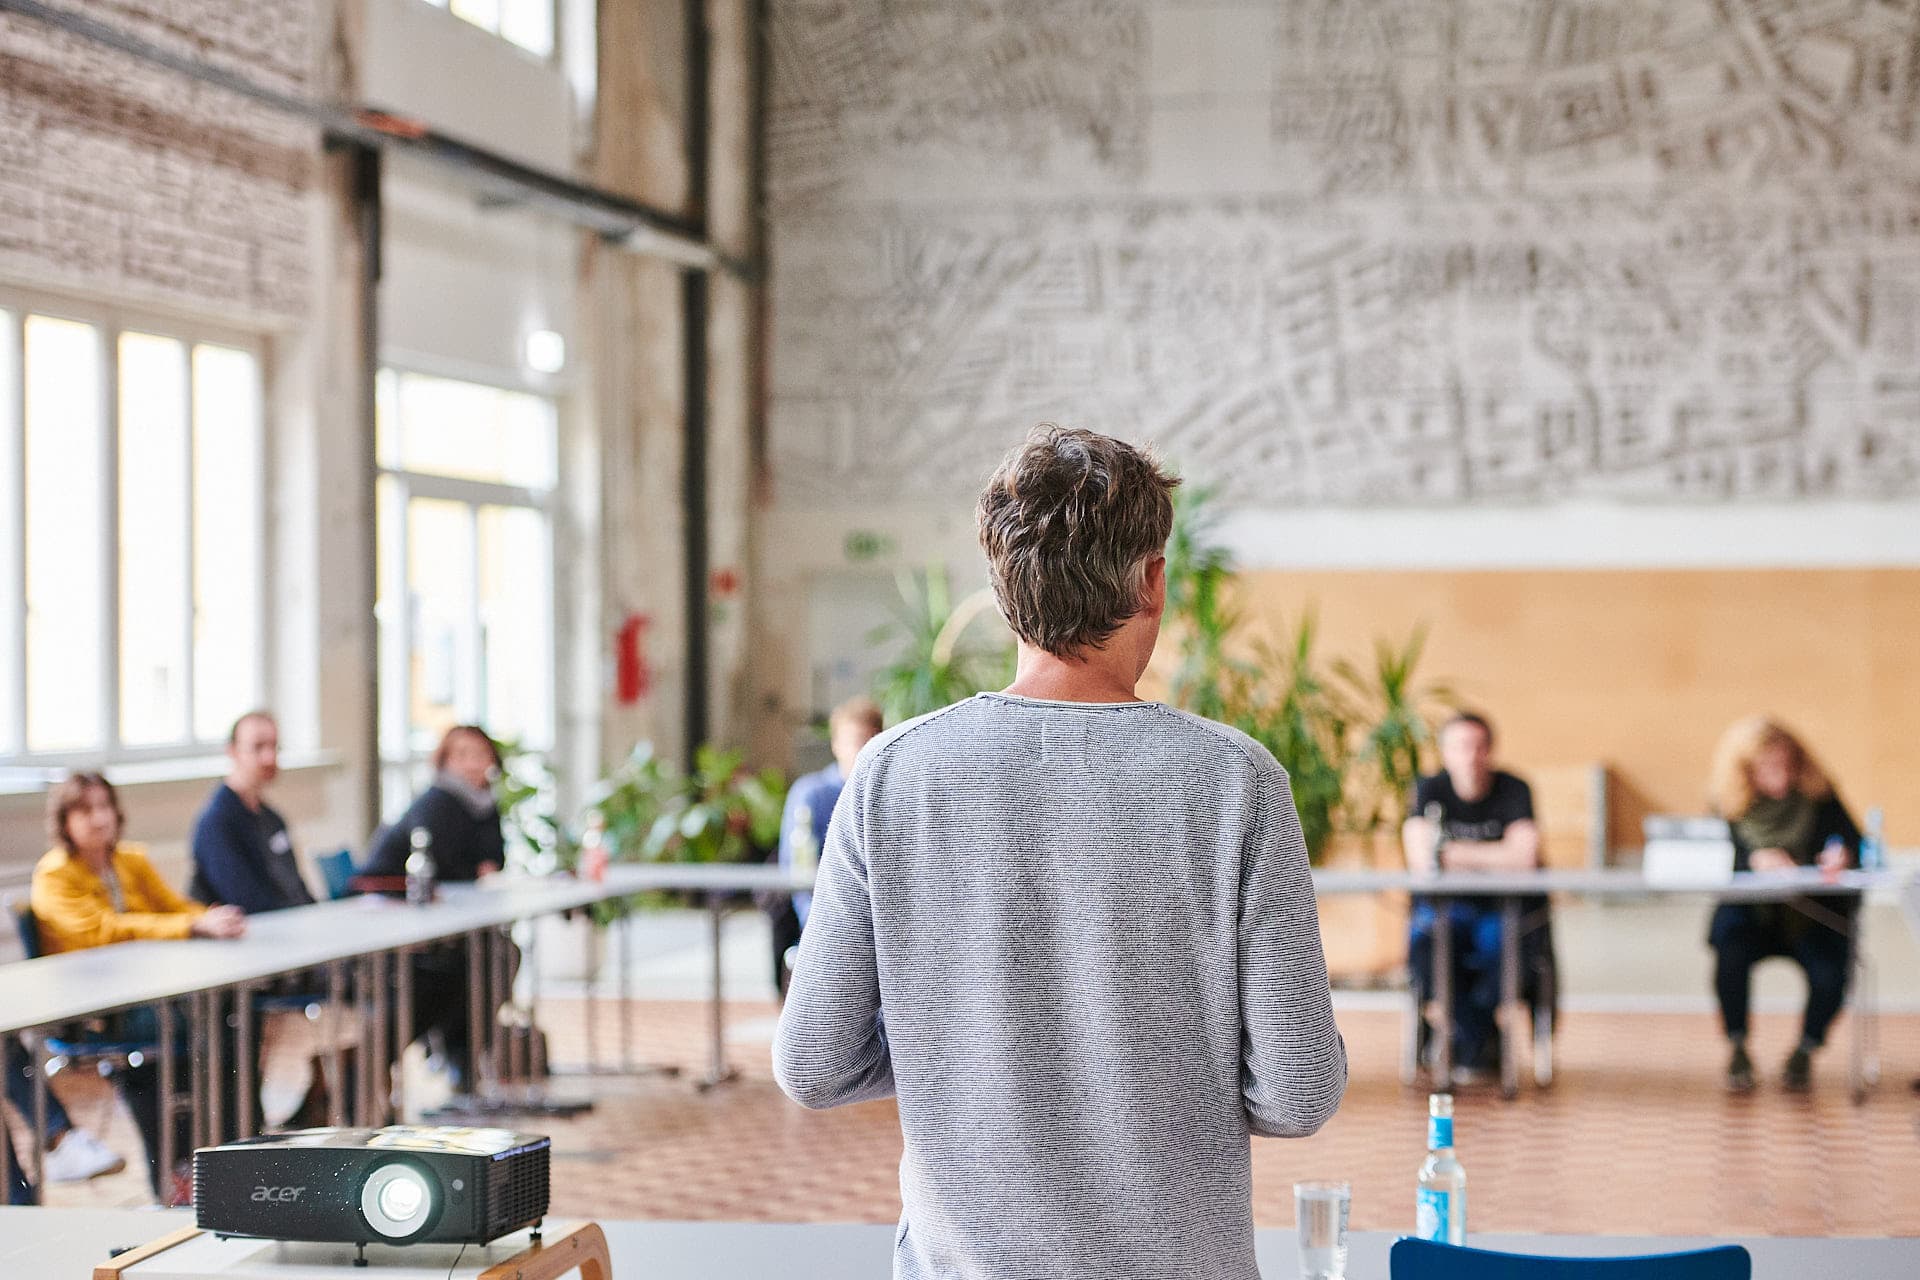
(403, 1029)
(1510, 998)
(216, 1027)
(626, 992)
(336, 1056)
(1442, 1018)
(196, 1073)
(167, 1101)
(39, 1127)
(476, 1001)
(718, 1072)
(373, 1042)
(247, 1054)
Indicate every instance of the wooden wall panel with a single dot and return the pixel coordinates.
(1642, 669)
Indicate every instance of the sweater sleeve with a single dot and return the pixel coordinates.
(1293, 1063)
(831, 1045)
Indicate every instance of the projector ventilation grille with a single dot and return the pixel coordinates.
(517, 1192)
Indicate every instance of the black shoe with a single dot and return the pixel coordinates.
(1798, 1077)
(1740, 1071)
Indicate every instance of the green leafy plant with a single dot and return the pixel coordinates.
(527, 792)
(1396, 711)
(942, 658)
(1350, 739)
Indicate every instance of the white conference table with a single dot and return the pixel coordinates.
(64, 1244)
(361, 932)
(1798, 887)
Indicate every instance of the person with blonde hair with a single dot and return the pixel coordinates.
(1783, 815)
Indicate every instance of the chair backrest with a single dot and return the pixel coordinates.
(1430, 1260)
(29, 926)
(1683, 850)
(337, 869)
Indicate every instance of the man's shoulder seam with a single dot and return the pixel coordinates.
(1260, 760)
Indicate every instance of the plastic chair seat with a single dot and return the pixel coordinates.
(1431, 1260)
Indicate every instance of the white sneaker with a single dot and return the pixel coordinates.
(80, 1156)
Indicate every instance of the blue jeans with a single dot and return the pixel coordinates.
(20, 1093)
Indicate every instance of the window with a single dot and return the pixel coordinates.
(134, 570)
(527, 23)
(465, 546)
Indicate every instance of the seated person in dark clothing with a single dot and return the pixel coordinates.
(803, 821)
(1471, 817)
(242, 853)
(1783, 815)
(458, 811)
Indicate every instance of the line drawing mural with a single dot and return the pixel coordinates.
(1480, 250)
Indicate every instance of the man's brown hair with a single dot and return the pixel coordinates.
(860, 710)
(69, 794)
(441, 752)
(1068, 524)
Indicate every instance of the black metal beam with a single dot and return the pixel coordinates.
(693, 303)
(623, 222)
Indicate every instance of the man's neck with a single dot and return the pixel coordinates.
(1102, 676)
(249, 793)
(1473, 789)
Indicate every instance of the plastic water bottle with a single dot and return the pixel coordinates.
(1441, 1202)
(1873, 842)
(806, 846)
(421, 871)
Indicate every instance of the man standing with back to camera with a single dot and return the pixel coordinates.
(1072, 932)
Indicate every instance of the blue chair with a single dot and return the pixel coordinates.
(1430, 1260)
(336, 869)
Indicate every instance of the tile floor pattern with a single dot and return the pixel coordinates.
(1635, 1136)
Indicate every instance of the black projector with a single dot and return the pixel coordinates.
(398, 1185)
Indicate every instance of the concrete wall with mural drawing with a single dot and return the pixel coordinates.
(1391, 254)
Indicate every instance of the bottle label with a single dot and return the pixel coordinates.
(1439, 1132)
(1433, 1214)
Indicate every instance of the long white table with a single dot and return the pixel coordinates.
(64, 1244)
(1803, 888)
(362, 932)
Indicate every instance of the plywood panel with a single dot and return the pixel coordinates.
(1641, 670)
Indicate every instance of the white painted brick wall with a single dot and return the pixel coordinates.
(129, 182)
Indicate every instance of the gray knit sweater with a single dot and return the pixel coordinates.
(1078, 942)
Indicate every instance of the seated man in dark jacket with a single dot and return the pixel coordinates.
(242, 854)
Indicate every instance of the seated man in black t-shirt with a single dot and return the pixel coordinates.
(1470, 817)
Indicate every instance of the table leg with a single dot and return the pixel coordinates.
(497, 996)
(1510, 998)
(718, 1072)
(247, 1054)
(1443, 996)
(336, 1056)
(382, 1090)
(39, 1128)
(196, 1074)
(403, 1029)
(6, 1146)
(476, 1002)
(216, 1068)
(365, 1066)
(167, 1102)
(593, 934)
(626, 991)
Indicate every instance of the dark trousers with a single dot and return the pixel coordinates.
(1476, 971)
(786, 933)
(1743, 936)
(19, 1071)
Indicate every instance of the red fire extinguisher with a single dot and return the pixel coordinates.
(632, 677)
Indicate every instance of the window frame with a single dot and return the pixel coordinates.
(395, 487)
(551, 58)
(109, 321)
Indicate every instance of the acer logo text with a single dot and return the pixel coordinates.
(279, 1195)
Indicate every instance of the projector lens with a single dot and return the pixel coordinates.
(397, 1200)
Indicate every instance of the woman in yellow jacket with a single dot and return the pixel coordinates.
(90, 890)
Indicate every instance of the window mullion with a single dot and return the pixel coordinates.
(476, 645)
(109, 428)
(189, 664)
(13, 538)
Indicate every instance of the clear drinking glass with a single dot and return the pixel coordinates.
(1320, 1214)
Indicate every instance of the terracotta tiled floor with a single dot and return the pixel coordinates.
(1634, 1137)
